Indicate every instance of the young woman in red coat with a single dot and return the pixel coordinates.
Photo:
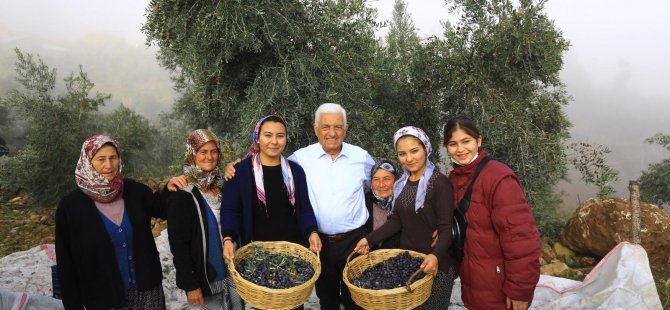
(500, 267)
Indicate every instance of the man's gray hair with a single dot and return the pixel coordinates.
(330, 108)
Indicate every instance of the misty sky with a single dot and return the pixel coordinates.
(617, 69)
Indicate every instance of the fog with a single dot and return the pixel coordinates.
(103, 36)
(616, 71)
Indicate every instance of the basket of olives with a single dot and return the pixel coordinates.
(274, 275)
(388, 279)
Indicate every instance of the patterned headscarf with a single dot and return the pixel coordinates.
(430, 167)
(384, 203)
(92, 183)
(206, 181)
(257, 166)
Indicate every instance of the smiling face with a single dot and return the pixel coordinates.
(462, 147)
(331, 130)
(271, 141)
(106, 161)
(207, 156)
(411, 155)
(382, 183)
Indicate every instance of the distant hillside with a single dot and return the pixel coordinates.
(131, 74)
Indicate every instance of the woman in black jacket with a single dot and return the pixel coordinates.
(106, 253)
(194, 231)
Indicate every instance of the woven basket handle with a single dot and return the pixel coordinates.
(349, 257)
(407, 285)
(231, 266)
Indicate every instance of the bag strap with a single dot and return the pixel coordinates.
(464, 204)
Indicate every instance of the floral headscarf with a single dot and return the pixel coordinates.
(384, 203)
(92, 183)
(206, 181)
(257, 166)
(430, 167)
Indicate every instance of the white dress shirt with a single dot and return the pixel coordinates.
(336, 187)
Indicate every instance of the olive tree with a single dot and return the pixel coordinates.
(234, 61)
(655, 181)
(501, 64)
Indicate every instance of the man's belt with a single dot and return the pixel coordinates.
(342, 236)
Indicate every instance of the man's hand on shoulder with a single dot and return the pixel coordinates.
(229, 172)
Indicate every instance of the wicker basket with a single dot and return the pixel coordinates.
(262, 297)
(398, 298)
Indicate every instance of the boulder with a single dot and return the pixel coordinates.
(554, 268)
(548, 253)
(16, 199)
(599, 225)
(157, 226)
(586, 261)
(562, 251)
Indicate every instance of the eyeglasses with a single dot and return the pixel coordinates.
(388, 167)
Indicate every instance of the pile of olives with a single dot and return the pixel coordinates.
(273, 270)
(391, 273)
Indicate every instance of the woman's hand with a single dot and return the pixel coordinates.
(228, 249)
(177, 183)
(434, 243)
(230, 170)
(314, 242)
(362, 247)
(516, 304)
(195, 298)
(429, 264)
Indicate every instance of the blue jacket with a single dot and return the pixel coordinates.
(236, 208)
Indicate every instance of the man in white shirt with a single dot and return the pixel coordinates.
(336, 174)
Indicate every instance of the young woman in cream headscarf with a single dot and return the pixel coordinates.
(423, 203)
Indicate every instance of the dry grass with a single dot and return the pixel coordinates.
(22, 228)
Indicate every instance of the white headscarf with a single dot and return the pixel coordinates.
(430, 167)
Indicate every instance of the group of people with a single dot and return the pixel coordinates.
(316, 197)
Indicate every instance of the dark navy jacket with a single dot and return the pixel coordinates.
(236, 208)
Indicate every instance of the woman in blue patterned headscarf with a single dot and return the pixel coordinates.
(267, 199)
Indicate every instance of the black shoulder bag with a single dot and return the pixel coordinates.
(460, 223)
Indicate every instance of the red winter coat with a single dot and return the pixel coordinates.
(502, 244)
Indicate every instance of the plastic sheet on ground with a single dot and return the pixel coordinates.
(24, 301)
(622, 280)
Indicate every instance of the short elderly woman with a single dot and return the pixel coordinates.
(193, 228)
(107, 258)
(267, 199)
(382, 177)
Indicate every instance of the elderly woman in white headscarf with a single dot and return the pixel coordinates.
(107, 258)
(194, 229)
(422, 203)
